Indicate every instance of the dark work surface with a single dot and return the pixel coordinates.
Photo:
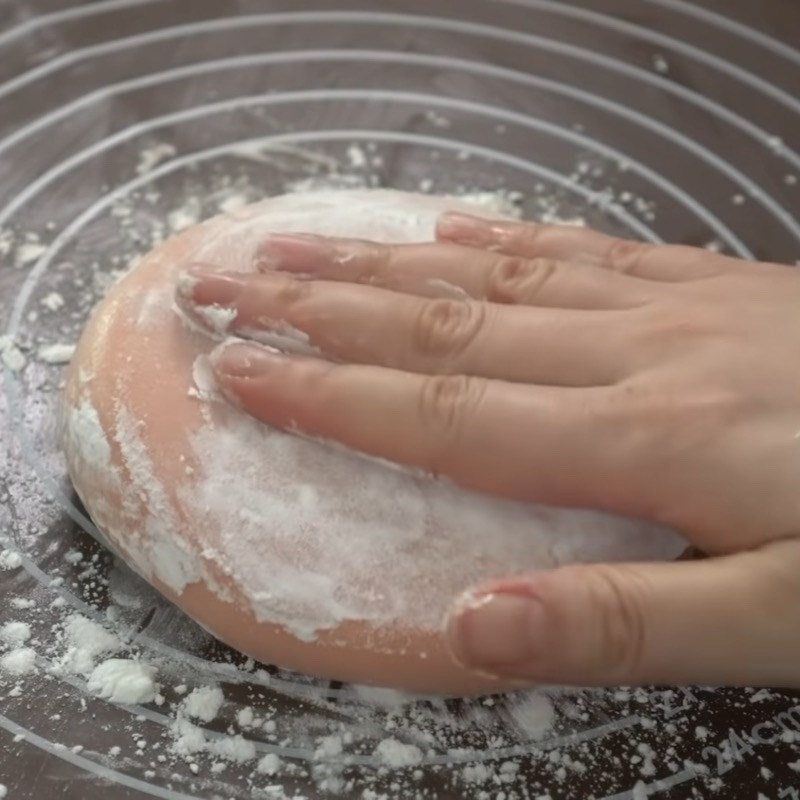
(663, 119)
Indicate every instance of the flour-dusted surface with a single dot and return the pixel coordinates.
(300, 534)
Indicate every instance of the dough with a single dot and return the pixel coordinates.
(294, 552)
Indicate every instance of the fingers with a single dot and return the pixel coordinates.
(370, 325)
(522, 442)
(680, 623)
(650, 262)
(432, 270)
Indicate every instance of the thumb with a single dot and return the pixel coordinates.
(729, 620)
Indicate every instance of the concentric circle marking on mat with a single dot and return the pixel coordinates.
(713, 219)
(727, 236)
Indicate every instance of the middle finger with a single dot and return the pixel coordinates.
(440, 269)
(370, 325)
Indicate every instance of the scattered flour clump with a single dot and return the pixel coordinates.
(86, 641)
(396, 754)
(53, 301)
(29, 252)
(204, 703)
(11, 355)
(270, 764)
(15, 633)
(123, 680)
(21, 661)
(10, 560)
(233, 748)
(533, 715)
(245, 717)
(56, 353)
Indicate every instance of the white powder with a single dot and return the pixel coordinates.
(217, 318)
(56, 353)
(86, 640)
(11, 355)
(188, 214)
(154, 304)
(28, 252)
(15, 633)
(152, 156)
(204, 703)
(123, 680)
(233, 748)
(167, 554)
(190, 740)
(396, 754)
(492, 203)
(18, 662)
(53, 301)
(205, 385)
(270, 764)
(245, 717)
(356, 156)
(86, 440)
(660, 64)
(775, 144)
(477, 773)
(281, 336)
(233, 202)
(9, 559)
(329, 748)
(533, 715)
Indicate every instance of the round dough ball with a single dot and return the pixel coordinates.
(297, 553)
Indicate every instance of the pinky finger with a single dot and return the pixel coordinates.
(650, 262)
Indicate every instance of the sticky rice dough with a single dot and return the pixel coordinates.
(293, 552)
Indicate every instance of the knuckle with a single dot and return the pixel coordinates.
(618, 596)
(446, 327)
(515, 280)
(627, 257)
(292, 293)
(372, 262)
(446, 402)
(686, 419)
(673, 326)
(524, 238)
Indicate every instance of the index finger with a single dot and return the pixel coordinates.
(530, 443)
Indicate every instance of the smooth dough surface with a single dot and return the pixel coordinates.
(292, 551)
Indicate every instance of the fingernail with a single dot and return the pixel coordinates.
(498, 634)
(300, 253)
(244, 360)
(466, 229)
(205, 286)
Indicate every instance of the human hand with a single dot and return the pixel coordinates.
(565, 367)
